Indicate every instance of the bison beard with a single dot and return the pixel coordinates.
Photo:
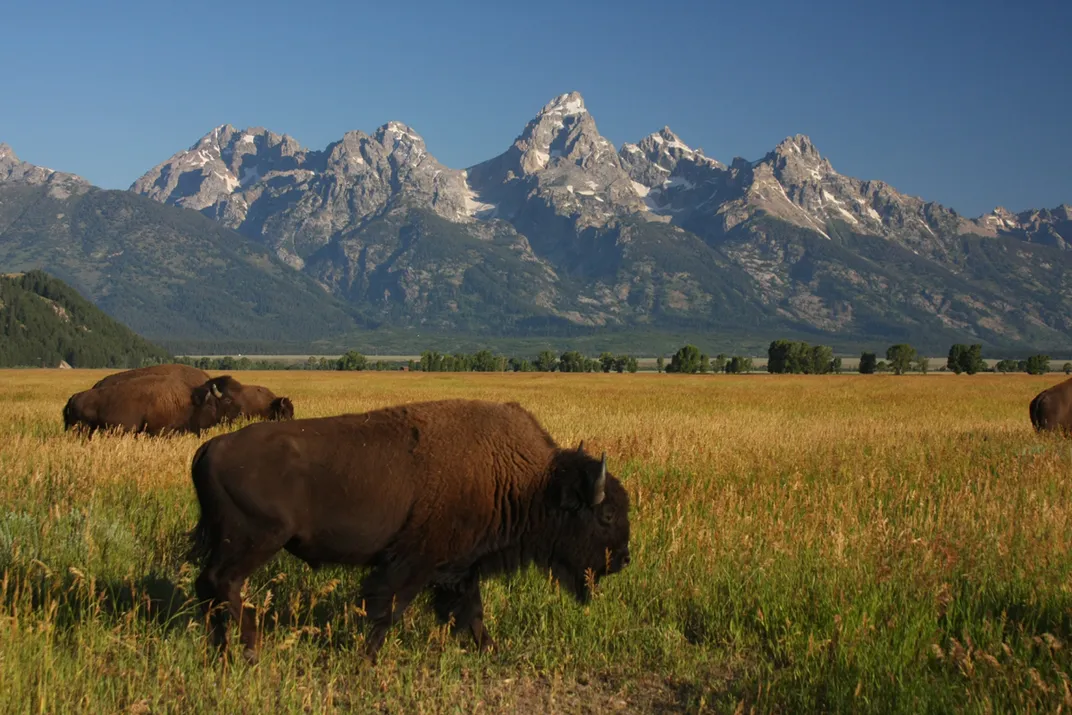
(429, 495)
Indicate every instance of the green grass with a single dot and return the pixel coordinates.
(801, 544)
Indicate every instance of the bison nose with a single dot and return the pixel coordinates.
(625, 559)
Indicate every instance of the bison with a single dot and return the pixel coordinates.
(154, 404)
(429, 495)
(1052, 408)
(184, 373)
(253, 401)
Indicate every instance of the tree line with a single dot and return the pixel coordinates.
(433, 361)
(783, 357)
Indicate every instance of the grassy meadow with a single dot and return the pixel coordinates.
(800, 544)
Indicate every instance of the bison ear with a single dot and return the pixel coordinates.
(599, 488)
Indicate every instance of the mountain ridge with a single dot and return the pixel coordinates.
(563, 229)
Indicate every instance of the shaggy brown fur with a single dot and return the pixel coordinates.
(430, 495)
(155, 404)
(184, 373)
(254, 401)
(1052, 408)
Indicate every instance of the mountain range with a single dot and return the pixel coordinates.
(562, 234)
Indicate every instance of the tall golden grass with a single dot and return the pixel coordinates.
(800, 543)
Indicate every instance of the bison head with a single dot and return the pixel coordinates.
(211, 406)
(281, 409)
(592, 538)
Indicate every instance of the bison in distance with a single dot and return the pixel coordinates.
(429, 495)
(165, 399)
(154, 404)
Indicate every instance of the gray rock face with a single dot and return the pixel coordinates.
(60, 184)
(297, 201)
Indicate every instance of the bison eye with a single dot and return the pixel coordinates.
(606, 515)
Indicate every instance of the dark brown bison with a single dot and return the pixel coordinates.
(1052, 408)
(184, 373)
(430, 495)
(253, 401)
(154, 404)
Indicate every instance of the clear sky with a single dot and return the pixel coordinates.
(963, 102)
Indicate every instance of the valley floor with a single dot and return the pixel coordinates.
(800, 544)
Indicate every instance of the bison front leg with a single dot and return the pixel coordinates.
(463, 602)
(387, 595)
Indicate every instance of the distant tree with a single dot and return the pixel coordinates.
(352, 360)
(738, 365)
(1038, 365)
(631, 364)
(685, 360)
(719, 364)
(882, 366)
(659, 364)
(868, 363)
(546, 361)
(1067, 368)
(485, 361)
(901, 357)
(923, 365)
(788, 356)
(1007, 366)
(835, 366)
(571, 361)
(955, 359)
(620, 361)
(820, 359)
(965, 358)
(705, 363)
(606, 361)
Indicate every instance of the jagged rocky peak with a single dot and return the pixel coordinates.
(656, 160)
(223, 162)
(14, 170)
(796, 160)
(562, 132)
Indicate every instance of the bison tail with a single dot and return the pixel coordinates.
(201, 537)
(1038, 413)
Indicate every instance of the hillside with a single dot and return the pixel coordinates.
(172, 275)
(44, 321)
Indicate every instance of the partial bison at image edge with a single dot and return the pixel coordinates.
(1051, 409)
(429, 495)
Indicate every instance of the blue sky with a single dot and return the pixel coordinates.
(965, 103)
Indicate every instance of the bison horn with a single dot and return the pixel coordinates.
(216, 391)
(580, 447)
(599, 490)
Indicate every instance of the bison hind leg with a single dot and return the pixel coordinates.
(220, 584)
(461, 601)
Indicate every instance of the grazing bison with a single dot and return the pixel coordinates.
(254, 400)
(184, 373)
(1052, 408)
(154, 404)
(430, 495)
